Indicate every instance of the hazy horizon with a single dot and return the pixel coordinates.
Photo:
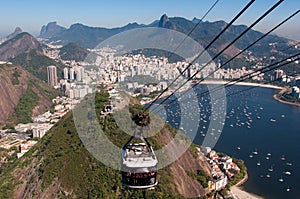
(32, 15)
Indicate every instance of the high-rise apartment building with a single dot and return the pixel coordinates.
(52, 76)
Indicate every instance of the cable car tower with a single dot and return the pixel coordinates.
(139, 163)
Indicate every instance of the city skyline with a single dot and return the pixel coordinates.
(31, 15)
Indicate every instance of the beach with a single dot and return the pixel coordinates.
(239, 193)
(240, 83)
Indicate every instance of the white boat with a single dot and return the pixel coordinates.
(271, 169)
(280, 179)
(288, 189)
(268, 176)
(255, 152)
(258, 163)
(272, 120)
(287, 173)
(289, 164)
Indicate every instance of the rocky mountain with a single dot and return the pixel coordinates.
(22, 95)
(51, 29)
(26, 51)
(91, 36)
(59, 166)
(17, 31)
(272, 45)
(85, 36)
(165, 22)
(22, 43)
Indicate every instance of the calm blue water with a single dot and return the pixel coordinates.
(248, 127)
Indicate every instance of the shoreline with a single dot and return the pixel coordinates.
(241, 84)
(277, 98)
(239, 193)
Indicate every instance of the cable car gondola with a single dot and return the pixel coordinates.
(139, 164)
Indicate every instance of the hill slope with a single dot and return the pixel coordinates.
(60, 167)
(17, 31)
(36, 63)
(22, 43)
(72, 51)
(22, 95)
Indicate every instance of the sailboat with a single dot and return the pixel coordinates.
(258, 163)
(255, 152)
(271, 169)
(280, 179)
(287, 173)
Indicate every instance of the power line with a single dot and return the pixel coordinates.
(257, 72)
(277, 26)
(249, 76)
(231, 43)
(252, 87)
(191, 63)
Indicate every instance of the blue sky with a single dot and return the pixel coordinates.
(30, 15)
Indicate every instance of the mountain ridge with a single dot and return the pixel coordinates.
(15, 83)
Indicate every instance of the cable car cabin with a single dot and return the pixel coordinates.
(139, 165)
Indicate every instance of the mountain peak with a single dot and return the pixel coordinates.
(165, 22)
(196, 20)
(22, 43)
(17, 31)
(51, 29)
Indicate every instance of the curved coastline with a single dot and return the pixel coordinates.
(275, 96)
(241, 84)
(239, 193)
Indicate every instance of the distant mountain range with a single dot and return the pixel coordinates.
(271, 45)
(27, 51)
(17, 31)
(89, 37)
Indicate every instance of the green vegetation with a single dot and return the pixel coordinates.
(289, 98)
(243, 172)
(36, 63)
(15, 77)
(23, 111)
(201, 176)
(60, 154)
(72, 51)
(63, 156)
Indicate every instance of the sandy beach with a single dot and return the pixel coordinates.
(241, 83)
(239, 193)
